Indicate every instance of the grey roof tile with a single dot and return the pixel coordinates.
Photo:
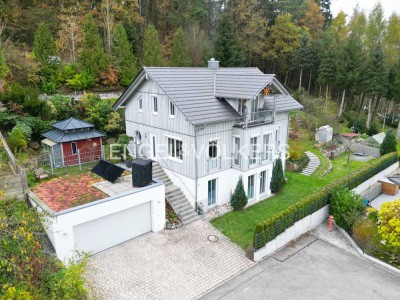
(71, 124)
(192, 90)
(60, 136)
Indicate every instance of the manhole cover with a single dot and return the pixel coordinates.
(213, 238)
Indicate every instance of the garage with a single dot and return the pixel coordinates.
(110, 230)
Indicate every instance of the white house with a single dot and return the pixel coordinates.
(206, 127)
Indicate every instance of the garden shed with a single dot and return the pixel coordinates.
(71, 142)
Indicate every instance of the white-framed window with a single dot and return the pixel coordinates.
(154, 101)
(263, 181)
(267, 149)
(277, 141)
(250, 187)
(241, 107)
(74, 148)
(212, 192)
(236, 151)
(253, 150)
(140, 104)
(171, 109)
(175, 148)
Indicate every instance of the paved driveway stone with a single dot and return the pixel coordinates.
(174, 264)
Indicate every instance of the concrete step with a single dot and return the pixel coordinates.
(191, 218)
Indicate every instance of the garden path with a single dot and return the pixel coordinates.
(313, 164)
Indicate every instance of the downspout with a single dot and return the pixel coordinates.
(273, 117)
(195, 166)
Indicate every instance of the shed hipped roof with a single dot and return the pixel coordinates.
(71, 124)
(200, 93)
(60, 136)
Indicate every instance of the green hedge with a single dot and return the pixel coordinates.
(278, 223)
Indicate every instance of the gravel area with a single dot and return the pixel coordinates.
(333, 237)
(218, 211)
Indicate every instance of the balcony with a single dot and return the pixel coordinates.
(260, 117)
(214, 163)
(257, 159)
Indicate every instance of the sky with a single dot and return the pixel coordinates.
(348, 5)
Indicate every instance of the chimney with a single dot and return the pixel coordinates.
(213, 64)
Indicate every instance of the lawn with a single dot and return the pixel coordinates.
(239, 225)
(69, 190)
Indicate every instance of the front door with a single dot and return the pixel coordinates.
(153, 147)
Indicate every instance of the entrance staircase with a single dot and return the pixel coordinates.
(175, 196)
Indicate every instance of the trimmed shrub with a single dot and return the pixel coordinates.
(239, 198)
(319, 199)
(278, 180)
(346, 206)
(259, 237)
(389, 143)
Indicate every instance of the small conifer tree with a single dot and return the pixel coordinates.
(239, 198)
(278, 180)
(389, 143)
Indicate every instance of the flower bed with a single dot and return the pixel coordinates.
(69, 191)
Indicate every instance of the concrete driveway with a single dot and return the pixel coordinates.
(172, 264)
(311, 269)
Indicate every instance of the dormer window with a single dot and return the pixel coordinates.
(171, 109)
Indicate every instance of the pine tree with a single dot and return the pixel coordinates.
(375, 79)
(349, 66)
(152, 51)
(92, 57)
(228, 49)
(3, 66)
(179, 55)
(239, 198)
(278, 180)
(123, 57)
(44, 46)
(389, 143)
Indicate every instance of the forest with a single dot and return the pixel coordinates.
(60, 46)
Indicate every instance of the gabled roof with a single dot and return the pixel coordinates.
(72, 124)
(200, 93)
(60, 136)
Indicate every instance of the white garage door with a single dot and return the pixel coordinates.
(111, 230)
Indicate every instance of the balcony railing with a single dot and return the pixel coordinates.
(259, 117)
(214, 163)
(256, 159)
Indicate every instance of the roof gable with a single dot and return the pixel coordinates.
(200, 93)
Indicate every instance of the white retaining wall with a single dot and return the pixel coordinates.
(311, 221)
(60, 225)
(374, 179)
(297, 229)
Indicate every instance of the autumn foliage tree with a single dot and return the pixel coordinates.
(389, 225)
